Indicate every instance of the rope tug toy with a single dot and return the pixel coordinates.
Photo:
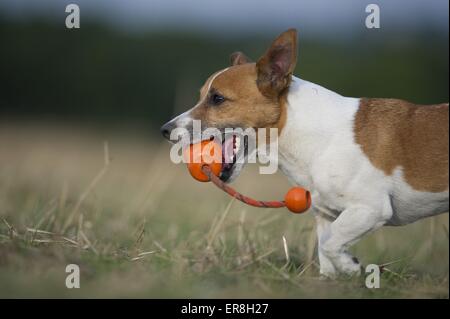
(205, 164)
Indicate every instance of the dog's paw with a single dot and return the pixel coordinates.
(349, 265)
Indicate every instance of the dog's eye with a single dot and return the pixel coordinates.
(216, 99)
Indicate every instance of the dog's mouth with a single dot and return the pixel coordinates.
(233, 147)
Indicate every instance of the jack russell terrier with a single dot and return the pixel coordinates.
(368, 162)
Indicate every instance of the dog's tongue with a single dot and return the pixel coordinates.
(228, 149)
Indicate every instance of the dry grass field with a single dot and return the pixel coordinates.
(140, 226)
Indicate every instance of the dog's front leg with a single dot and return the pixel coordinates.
(348, 228)
(327, 268)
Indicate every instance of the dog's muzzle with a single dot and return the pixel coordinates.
(166, 129)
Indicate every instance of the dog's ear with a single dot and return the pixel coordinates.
(238, 58)
(275, 67)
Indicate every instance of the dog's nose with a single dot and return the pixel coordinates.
(166, 129)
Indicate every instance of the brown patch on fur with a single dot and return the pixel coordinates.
(395, 133)
(255, 93)
(245, 106)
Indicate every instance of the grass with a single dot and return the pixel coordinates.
(140, 226)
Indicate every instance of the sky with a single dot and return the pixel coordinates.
(330, 17)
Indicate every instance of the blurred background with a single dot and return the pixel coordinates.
(86, 178)
(140, 61)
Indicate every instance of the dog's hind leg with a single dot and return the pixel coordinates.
(353, 223)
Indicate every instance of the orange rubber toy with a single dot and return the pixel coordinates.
(200, 154)
(205, 164)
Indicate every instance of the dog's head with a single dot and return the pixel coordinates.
(244, 95)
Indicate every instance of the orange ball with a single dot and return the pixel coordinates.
(297, 200)
(203, 153)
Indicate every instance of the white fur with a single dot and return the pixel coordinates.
(350, 196)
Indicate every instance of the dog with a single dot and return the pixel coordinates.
(368, 162)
